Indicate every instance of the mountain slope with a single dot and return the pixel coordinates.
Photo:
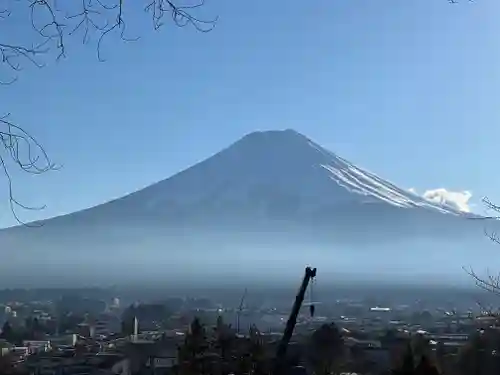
(271, 181)
(269, 197)
(284, 162)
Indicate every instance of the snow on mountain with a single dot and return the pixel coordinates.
(270, 196)
(365, 183)
(268, 176)
(284, 167)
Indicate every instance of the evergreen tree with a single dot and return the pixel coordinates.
(224, 338)
(7, 332)
(191, 354)
(326, 349)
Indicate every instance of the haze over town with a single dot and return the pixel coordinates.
(393, 91)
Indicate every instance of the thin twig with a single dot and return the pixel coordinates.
(26, 153)
(489, 283)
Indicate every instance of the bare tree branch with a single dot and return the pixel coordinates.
(487, 310)
(53, 22)
(489, 283)
(24, 151)
(490, 206)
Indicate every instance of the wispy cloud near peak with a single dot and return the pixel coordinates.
(459, 200)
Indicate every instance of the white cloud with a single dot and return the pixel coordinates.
(458, 200)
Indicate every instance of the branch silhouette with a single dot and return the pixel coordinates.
(24, 152)
(490, 282)
(53, 22)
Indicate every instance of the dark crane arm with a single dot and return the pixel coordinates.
(292, 320)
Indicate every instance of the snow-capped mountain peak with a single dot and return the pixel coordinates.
(269, 198)
(277, 165)
(267, 175)
(360, 181)
(340, 171)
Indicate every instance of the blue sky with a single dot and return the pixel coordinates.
(406, 89)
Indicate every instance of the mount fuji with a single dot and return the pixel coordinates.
(269, 190)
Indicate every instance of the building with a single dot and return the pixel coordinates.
(5, 347)
(106, 324)
(37, 346)
(63, 340)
